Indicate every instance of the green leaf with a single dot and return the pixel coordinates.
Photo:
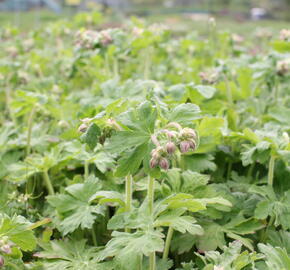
(73, 255)
(184, 200)
(132, 138)
(179, 223)
(17, 231)
(276, 257)
(128, 247)
(200, 162)
(212, 238)
(205, 90)
(263, 210)
(91, 136)
(184, 113)
(131, 161)
(75, 206)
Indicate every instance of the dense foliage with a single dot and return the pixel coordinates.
(133, 148)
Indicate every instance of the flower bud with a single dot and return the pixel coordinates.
(82, 128)
(6, 249)
(153, 163)
(170, 148)
(174, 125)
(164, 164)
(155, 140)
(2, 262)
(192, 145)
(184, 146)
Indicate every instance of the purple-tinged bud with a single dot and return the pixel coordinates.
(155, 140)
(153, 163)
(2, 262)
(174, 125)
(184, 146)
(188, 132)
(192, 145)
(82, 128)
(170, 148)
(170, 134)
(6, 249)
(164, 164)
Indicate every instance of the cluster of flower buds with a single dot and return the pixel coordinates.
(5, 246)
(188, 140)
(285, 34)
(209, 76)
(90, 39)
(167, 143)
(283, 67)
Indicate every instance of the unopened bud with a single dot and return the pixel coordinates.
(153, 163)
(164, 164)
(82, 128)
(2, 262)
(192, 145)
(155, 140)
(184, 146)
(170, 148)
(6, 249)
(174, 125)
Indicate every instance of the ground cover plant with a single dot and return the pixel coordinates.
(137, 148)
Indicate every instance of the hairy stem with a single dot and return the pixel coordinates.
(271, 170)
(29, 130)
(152, 256)
(229, 91)
(47, 182)
(152, 261)
(87, 171)
(150, 194)
(168, 242)
(129, 191)
(94, 236)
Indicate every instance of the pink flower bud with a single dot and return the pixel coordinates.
(184, 146)
(192, 145)
(82, 128)
(2, 262)
(170, 148)
(153, 163)
(6, 249)
(164, 164)
(155, 140)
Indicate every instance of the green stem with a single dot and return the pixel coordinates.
(147, 55)
(140, 265)
(152, 256)
(229, 170)
(151, 194)
(129, 190)
(29, 130)
(250, 171)
(168, 242)
(116, 67)
(271, 170)
(107, 65)
(48, 183)
(87, 172)
(229, 91)
(94, 236)
(152, 261)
